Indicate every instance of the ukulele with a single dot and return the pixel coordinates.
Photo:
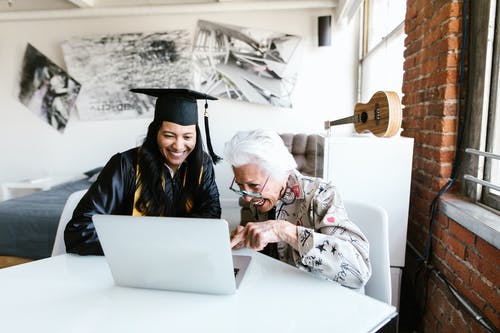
(381, 115)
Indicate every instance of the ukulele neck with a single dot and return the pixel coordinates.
(347, 120)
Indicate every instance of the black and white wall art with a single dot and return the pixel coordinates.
(107, 66)
(46, 89)
(245, 64)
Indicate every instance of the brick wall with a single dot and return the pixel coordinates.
(430, 88)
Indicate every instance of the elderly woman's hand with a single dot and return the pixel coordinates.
(256, 235)
(238, 238)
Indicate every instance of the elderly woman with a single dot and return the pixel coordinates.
(302, 217)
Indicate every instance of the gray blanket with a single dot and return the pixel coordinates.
(28, 224)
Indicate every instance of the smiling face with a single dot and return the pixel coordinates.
(251, 178)
(176, 142)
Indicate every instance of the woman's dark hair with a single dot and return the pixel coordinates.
(152, 201)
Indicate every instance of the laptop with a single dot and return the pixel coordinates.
(170, 253)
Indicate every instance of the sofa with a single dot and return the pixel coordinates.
(308, 151)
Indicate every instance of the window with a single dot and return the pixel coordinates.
(382, 43)
(480, 166)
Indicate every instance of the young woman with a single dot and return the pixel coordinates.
(168, 175)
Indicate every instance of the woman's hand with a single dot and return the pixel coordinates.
(256, 235)
(238, 238)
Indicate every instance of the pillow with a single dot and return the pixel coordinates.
(94, 177)
(93, 172)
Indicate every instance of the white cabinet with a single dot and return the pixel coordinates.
(23, 187)
(376, 170)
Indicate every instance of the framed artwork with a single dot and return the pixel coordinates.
(46, 89)
(108, 66)
(245, 64)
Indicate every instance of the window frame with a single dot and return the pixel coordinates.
(481, 102)
(369, 47)
(488, 198)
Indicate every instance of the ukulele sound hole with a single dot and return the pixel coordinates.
(364, 117)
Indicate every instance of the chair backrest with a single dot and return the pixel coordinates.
(67, 213)
(307, 150)
(374, 223)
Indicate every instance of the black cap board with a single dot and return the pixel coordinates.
(179, 106)
(175, 105)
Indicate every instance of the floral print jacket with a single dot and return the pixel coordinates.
(329, 244)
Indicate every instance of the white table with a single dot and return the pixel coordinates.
(69, 293)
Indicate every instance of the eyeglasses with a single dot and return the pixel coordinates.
(247, 193)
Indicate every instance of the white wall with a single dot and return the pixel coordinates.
(30, 148)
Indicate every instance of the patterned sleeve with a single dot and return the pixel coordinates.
(336, 248)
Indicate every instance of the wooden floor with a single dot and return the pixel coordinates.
(6, 261)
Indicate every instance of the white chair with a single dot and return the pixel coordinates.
(67, 213)
(374, 223)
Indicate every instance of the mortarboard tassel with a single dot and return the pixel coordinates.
(214, 157)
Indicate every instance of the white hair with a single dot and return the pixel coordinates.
(264, 148)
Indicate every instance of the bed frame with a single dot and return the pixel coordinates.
(6, 261)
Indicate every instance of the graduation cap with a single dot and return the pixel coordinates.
(179, 106)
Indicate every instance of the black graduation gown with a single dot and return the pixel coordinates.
(113, 193)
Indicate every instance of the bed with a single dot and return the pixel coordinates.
(28, 223)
